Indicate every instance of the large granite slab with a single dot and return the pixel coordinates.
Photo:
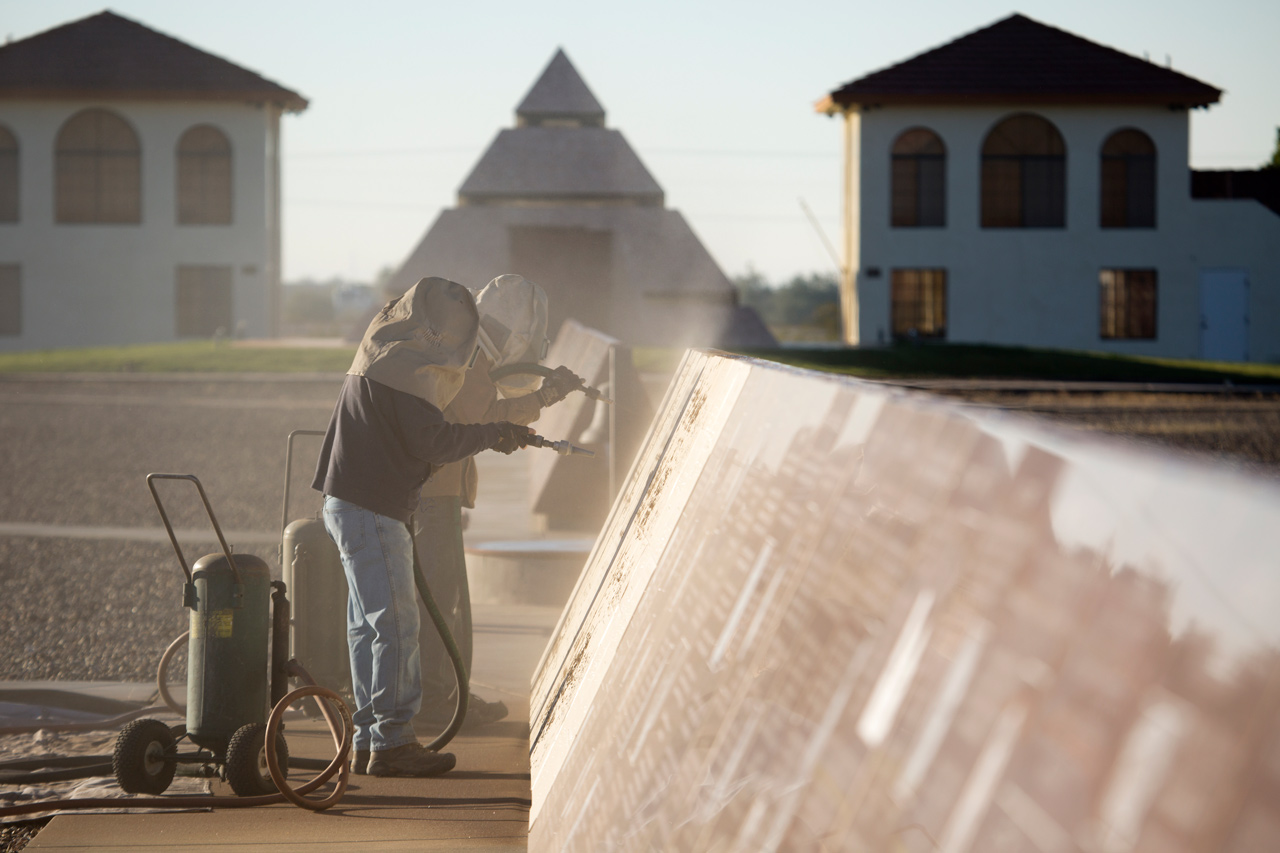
(828, 615)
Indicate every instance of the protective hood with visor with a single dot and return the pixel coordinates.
(422, 342)
(513, 329)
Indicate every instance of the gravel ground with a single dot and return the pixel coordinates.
(77, 453)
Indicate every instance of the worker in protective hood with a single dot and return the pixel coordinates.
(513, 329)
(387, 436)
(422, 342)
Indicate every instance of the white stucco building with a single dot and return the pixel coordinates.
(139, 189)
(1024, 186)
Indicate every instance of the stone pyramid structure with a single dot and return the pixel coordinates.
(565, 201)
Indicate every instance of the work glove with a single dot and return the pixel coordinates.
(558, 385)
(511, 437)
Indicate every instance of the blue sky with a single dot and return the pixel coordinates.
(716, 97)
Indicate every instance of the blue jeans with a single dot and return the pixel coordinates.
(382, 622)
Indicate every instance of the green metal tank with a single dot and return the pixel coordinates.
(227, 683)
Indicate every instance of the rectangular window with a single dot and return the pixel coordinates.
(203, 301)
(906, 192)
(1127, 304)
(8, 184)
(1128, 192)
(98, 187)
(1001, 193)
(204, 188)
(919, 191)
(933, 191)
(1115, 201)
(10, 299)
(77, 187)
(1043, 202)
(1141, 201)
(919, 304)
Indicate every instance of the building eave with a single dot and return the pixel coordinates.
(291, 102)
(832, 105)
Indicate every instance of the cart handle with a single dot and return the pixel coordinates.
(288, 471)
(226, 549)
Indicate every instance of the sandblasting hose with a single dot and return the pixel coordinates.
(340, 726)
(162, 673)
(450, 646)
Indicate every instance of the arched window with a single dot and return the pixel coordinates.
(919, 188)
(1128, 196)
(1024, 175)
(99, 169)
(8, 176)
(204, 177)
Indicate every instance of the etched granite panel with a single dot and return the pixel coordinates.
(826, 615)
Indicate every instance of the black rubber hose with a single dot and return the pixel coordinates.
(91, 726)
(37, 762)
(451, 646)
(520, 367)
(39, 769)
(542, 370)
(40, 777)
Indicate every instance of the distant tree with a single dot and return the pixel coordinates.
(1274, 162)
(802, 296)
(754, 291)
(827, 318)
(308, 303)
(804, 300)
(382, 280)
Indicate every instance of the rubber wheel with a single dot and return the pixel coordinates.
(247, 771)
(144, 758)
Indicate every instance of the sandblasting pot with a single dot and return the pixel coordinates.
(227, 682)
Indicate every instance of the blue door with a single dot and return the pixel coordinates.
(1224, 315)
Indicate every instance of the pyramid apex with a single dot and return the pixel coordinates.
(560, 97)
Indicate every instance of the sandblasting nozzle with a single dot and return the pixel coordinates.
(564, 448)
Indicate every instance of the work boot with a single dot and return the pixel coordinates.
(411, 759)
(360, 762)
(482, 713)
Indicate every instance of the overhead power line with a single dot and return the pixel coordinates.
(777, 154)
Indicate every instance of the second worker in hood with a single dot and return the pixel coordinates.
(513, 330)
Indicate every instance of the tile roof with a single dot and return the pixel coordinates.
(106, 55)
(1021, 60)
(560, 93)
(560, 163)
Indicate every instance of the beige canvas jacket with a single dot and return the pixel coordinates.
(477, 403)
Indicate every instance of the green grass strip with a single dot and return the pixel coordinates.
(968, 361)
(184, 357)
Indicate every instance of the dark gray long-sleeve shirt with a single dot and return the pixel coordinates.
(383, 444)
